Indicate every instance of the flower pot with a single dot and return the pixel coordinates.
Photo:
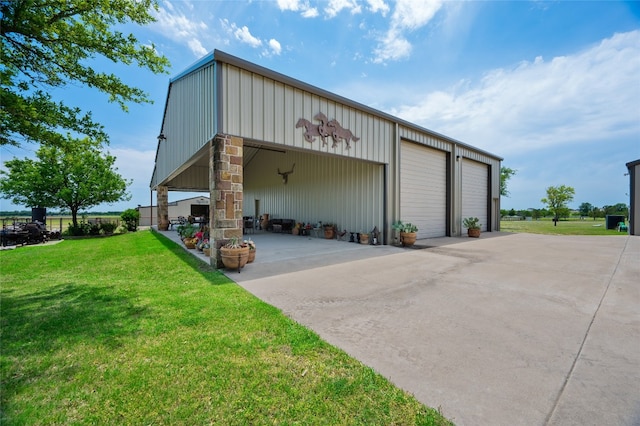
(295, 231)
(207, 252)
(329, 233)
(252, 256)
(407, 239)
(234, 258)
(190, 243)
(473, 233)
(364, 239)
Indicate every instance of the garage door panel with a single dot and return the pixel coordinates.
(423, 189)
(475, 190)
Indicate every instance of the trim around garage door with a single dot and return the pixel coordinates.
(475, 191)
(423, 189)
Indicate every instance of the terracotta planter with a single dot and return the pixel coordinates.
(295, 231)
(207, 252)
(190, 243)
(329, 233)
(407, 239)
(364, 239)
(252, 256)
(234, 258)
(473, 233)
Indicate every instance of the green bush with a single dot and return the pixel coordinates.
(108, 227)
(131, 218)
(83, 228)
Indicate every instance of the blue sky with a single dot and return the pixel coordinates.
(552, 87)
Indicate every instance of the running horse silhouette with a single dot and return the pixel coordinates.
(338, 132)
(323, 127)
(310, 129)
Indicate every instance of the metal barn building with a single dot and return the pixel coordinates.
(259, 142)
(634, 197)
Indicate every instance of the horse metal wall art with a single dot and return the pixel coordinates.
(324, 129)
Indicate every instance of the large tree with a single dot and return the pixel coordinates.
(505, 175)
(47, 44)
(557, 199)
(73, 175)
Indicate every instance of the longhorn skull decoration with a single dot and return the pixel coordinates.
(285, 175)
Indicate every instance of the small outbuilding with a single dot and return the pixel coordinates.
(194, 207)
(261, 143)
(634, 197)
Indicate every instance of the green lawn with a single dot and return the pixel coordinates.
(133, 330)
(565, 227)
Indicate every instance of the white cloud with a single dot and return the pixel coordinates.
(275, 47)
(174, 24)
(408, 15)
(306, 11)
(336, 6)
(376, 6)
(589, 96)
(245, 36)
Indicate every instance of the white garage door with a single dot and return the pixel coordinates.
(423, 189)
(475, 190)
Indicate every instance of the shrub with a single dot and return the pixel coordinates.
(131, 218)
(108, 227)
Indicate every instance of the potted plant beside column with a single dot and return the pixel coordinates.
(408, 233)
(473, 226)
(234, 254)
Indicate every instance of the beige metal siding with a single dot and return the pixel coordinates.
(189, 121)
(322, 188)
(423, 189)
(475, 186)
(259, 108)
(635, 197)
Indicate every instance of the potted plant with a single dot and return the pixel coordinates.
(206, 247)
(252, 250)
(473, 226)
(364, 238)
(329, 231)
(234, 254)
(296, 229)
(187, 230)
(408, 232)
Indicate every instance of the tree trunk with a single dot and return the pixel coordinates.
(74, 217)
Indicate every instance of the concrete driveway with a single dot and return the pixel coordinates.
(520, 329)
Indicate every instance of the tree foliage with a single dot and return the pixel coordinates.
(47, 44)
(557, 199)
(505, 174)
(75, 176)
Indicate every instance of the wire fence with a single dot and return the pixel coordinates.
(58, 223)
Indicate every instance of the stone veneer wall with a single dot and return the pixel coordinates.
(226, 190)
(162, 193)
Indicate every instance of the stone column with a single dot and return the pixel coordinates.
(163, 207)
(225, 185)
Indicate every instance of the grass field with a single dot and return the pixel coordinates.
(565, 227)
(133, 330)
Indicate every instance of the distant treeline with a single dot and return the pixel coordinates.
(27, 213)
